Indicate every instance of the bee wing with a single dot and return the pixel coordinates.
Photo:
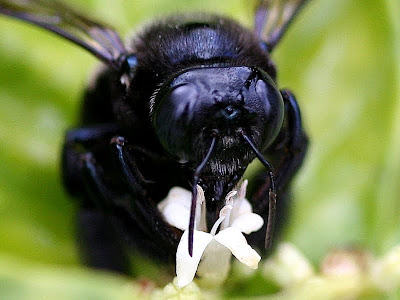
(52, 15)
(273, 17)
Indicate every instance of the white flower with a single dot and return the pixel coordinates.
(213, 249)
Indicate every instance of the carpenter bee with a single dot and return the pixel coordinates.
(190, 100)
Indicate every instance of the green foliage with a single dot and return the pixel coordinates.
(342, 60)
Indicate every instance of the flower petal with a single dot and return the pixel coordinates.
(200, 219)
(235, 241)
(186, 266)
(175, 208)
(215, 264)
(242, 189)
(248, 223)
(241, 206)
(177, 194)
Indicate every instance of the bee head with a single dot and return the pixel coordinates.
(202, 103)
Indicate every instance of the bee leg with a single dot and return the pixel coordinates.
(287, 153)
(145, 212)
(134, 179)
(99, 237)
(291, 145)
(136, 215)
(77, 142)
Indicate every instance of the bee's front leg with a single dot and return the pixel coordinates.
(287, 154)
(99, 236)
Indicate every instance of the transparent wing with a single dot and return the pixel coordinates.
(52, 15)
(273, 17)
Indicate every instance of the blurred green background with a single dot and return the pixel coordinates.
(342, 60)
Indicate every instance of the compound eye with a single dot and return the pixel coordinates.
(173, 119)
(267, 102)
(182, 101)
(261, 89)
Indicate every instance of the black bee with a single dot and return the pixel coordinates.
(190, 100)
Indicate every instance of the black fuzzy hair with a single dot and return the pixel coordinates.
(185, 41)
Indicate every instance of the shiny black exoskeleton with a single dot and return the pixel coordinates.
(190, 100)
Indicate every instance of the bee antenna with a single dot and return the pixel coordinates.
(196, 178)
(271, 194)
